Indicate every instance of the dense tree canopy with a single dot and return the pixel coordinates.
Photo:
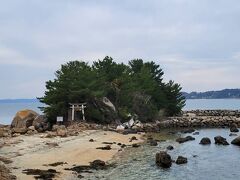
(136, 88)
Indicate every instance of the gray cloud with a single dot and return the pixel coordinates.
(196, 42)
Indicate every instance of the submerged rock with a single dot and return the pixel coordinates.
(170, 147)
(236, 141)
(185, 139)
(188, 131)
(163, 159)
(205, 141)
(196, 133)
(181, 160)
(41, 174)
(232, 134)
(220, 140)
(153, 143)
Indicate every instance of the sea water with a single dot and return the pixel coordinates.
(208, 162)
(9, 109)
(227, 104)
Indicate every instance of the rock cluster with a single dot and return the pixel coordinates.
(25, 122)
(164, 160)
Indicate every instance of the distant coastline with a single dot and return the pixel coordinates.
(220, 94)
(19, 100)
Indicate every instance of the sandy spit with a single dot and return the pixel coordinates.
(33, 152)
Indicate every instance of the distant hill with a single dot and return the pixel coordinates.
(18, 100)
(222, 94)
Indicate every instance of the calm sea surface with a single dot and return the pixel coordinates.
(192, 104)
(8, 110)
(209, 162)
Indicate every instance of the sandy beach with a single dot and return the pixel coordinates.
(36, 152)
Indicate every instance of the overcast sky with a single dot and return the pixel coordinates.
(196, 42)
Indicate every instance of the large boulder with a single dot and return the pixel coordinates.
(163, 159)
(41, 124)
(236, 141)
(23, 119)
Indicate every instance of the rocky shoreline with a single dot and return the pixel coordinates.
(30, 134)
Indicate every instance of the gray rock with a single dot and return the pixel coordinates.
(181, 160)
(170, 147)
(41, 124)
(220, 140)
(205, 141)
(24, 119)
(236, 141)
(232, 134)
(163, 159)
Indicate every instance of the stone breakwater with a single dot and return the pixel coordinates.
(203, 118)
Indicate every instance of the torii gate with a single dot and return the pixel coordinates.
(78, 107)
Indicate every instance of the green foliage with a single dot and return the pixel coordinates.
(136, 88)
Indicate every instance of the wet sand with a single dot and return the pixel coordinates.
(33, 152)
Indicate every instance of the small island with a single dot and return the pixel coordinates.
(96, 114)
